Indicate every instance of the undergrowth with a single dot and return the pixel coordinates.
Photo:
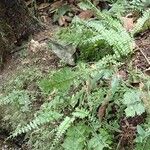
(82, 107)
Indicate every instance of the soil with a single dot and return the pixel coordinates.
(128, 130)
(34, 52)
(141, 58)
(140, 61)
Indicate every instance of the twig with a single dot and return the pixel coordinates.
(143, 55)
(118, 146)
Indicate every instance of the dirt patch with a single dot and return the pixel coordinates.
(141, 58)
(24, 57)
(128, 130)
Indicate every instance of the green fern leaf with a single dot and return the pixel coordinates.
(76, 137)
(40, 120)
(80, 113)
(60, 80)
(98, 142)
(64, 126)
(143, 23)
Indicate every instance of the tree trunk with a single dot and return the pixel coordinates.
(16, 23)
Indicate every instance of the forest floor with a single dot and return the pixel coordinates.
(36, 54)
(41, 58)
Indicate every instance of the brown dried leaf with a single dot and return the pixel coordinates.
(147, 71)
(56, 5)
(67, 18)
(102, 111)
(71, 1)
(43, 5)
(136, 84)
(122, 74)
(128, 23)
(103, 107)
(86, 14)
(88, 86)
(62, 21)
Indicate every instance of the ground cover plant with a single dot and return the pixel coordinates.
(101, 102)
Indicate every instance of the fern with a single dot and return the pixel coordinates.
(143, 23)
(80, 113)
(76, 137)
(68, 116)
(65, 124)
(14, 96)
(119, 40)
(43, 118)
(21, 99)
(140, 4)
(60, 80)
(62, 128)
(98, 142)
(104, 36)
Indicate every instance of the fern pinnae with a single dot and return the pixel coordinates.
(80, 113)
(143, 23)
(38, 121)
(62, 128)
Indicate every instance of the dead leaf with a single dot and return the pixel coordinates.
(71, 1)
(128, 23)
(35, 46)
(122, 74)
(86, 14)
(136, 84)
(103, 107)
(88, 86)
(147, 71)
(25, 62)
(56, 5)
(102, 112)
(62, 21)
(67, 18)
(43, 6)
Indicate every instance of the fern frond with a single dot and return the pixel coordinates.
(42, 119)
(104, 32)
(121, 41)
(62, 128)
(80, 113)
(60, 80)
(15, 96)
(143, 23)
(65, 124)
(76, 137)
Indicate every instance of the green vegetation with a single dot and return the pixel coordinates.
(83, 107)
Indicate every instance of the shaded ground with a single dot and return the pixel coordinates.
(35, 53)
(141, 59)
